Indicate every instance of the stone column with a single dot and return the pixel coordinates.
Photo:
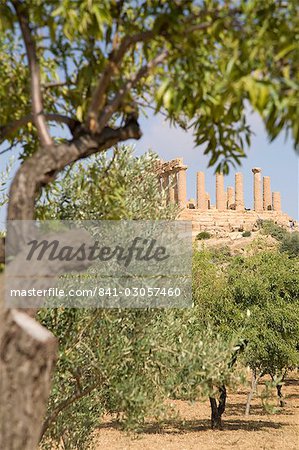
(171, 193)
(230, 197)
(257, 189)
(164, 177)
(182, 186)
(276, 201)
(176, 196)
(160, 183)
(220, 194)
(208, 200)
(164, 183)
(267, 198)
(200, 191)
(158, 169)
(239, 200)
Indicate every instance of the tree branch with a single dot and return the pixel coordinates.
(42, 167)
(11, 128)
(35, 83)
(115, 103)
(55, 84)
(7, 149)
(112, 66)
(199, 27)
(65, 404)
(117, 55)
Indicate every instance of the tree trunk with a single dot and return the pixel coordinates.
(254, 382)
(281, 401)
(217, 411)
(27, 356)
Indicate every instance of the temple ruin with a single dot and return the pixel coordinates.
(229, 212)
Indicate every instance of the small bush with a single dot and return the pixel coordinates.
(274, 230)
(203, 235)
(290, 244)
(246, 233)
(221, 255)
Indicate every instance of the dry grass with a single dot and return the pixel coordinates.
(192, 432)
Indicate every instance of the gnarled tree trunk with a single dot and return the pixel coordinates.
(27, 357)
(281, 401)
(218, 410)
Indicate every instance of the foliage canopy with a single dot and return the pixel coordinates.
(259, 295)
(199, 62)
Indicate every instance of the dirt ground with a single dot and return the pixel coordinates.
(259, 431)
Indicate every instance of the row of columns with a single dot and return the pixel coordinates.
(175, 182)
(173, 176)
(233, 198)
(263, 200)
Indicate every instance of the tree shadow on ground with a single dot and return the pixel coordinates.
(291, 382)
(291, 396)
(173, 427)
(235, 409)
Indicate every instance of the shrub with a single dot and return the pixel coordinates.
(220, 255)
(290, 244)
(128, 190)
(203, 235)
(273, 229)
(246, 233)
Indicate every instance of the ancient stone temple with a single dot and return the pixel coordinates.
(228, 213)
(173, 178)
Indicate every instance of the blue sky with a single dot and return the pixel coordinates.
(277, 159)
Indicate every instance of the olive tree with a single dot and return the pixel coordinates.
(257, 296)
(124, 362)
